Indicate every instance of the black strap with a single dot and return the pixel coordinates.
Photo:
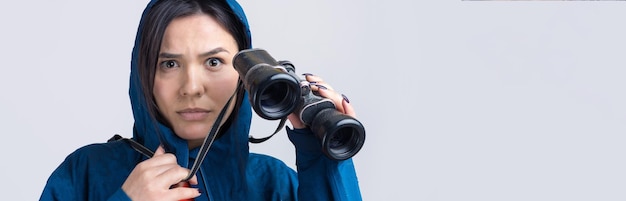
(208, 140)
(259, 140)
(135, 145)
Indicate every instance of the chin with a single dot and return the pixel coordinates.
(193, 132)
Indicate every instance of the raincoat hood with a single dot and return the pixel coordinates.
(231, 149)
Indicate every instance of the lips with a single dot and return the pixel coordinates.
(193, 114)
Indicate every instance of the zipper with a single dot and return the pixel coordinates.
(206, 184)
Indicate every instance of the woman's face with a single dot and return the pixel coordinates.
(194, 75)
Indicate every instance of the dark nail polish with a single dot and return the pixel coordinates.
(307, 74)
(345, 98)
(321, 86)
(312, 82)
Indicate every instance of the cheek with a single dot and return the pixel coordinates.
(162, 93)
(226, 84)
(223, 88)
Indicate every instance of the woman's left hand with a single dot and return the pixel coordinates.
(342, 103)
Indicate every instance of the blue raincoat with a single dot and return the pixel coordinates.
(229, 171)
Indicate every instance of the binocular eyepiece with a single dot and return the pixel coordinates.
(275, 91)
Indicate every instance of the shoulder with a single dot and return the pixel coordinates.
(99, 159)
(102, 152)
(102, 166)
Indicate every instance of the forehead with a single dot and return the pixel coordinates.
(199, 31)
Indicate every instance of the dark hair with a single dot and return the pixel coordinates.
(154, 25)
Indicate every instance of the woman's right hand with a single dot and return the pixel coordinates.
(152, 179)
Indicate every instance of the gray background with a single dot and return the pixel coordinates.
(461, 100)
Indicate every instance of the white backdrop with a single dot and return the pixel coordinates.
(461, 100)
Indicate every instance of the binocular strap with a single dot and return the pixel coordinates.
(259, 140)
(208, 140)
(135, 145)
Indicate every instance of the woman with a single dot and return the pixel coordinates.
(181, 78)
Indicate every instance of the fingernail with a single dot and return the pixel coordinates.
(307, 74)
(345, 98)
(312, 82)
(321, 86)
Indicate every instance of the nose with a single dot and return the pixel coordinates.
(193, 80)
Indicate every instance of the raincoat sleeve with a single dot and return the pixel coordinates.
(319, 177)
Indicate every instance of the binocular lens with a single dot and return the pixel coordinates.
(345, 143)
(342, 136)
(341, 139)
(276, 96)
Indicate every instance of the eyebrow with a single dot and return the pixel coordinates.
(213, 52)
(206, 54)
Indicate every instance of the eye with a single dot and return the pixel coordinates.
(213, 62)
(168, 64)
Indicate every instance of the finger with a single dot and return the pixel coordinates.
(312, 78)
(156, 171)
(295, 121)
(172, 176)
(181, 184)
(333, 96)
(159, 151)
(158, 160)
(193, 180)
(182, 193)
(316, 86)
(315, 80)
(322, 85)
(156, 165)
(347, 107)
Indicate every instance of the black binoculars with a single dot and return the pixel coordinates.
(275, 91)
